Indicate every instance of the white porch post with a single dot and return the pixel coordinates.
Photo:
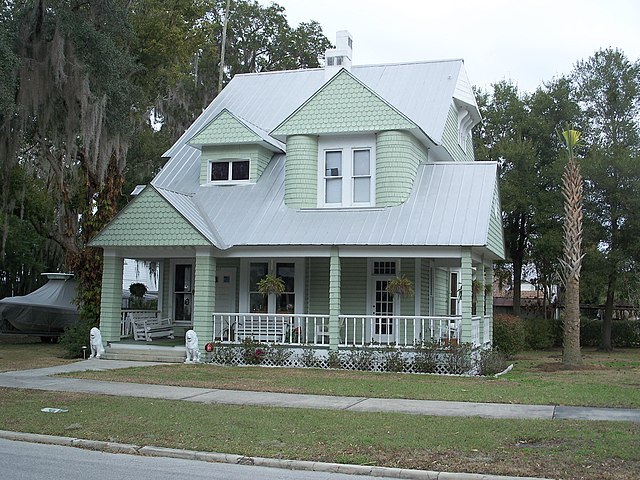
(204, 297)
(111, 296)
(488, 273)
(334, 299)
(465, 302)
(164, 288)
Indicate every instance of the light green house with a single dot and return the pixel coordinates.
(337, 180)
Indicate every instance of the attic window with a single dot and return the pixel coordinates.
(231, 170)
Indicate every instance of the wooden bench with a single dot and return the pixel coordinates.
(261, 330)
(147, 327)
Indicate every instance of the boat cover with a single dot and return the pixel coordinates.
(46, 311)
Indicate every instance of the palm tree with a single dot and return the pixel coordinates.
(571, 260)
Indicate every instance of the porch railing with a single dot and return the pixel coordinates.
(355, 330)
(475, 330)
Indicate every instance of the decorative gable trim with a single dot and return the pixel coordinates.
(149, 220)
(343, 105)
(229, 129)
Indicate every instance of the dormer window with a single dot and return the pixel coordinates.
(347, 166)
(229, 171)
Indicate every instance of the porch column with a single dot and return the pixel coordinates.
(164, 288)
(488, 273)
(111, 296)
(466, 275)
(204, 297)
(480, 299)
(334, 299)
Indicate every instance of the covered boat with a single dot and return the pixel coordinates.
(45, 312)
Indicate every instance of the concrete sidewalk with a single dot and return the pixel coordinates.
(42, 379)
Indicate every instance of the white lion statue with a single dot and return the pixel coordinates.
(191, 344)
(95, 340)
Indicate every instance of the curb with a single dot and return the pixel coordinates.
(304, 465)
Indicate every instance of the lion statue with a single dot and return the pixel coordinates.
(95, 340)
(193, 349)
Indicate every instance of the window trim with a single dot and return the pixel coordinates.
(347, 145)
(229, 181)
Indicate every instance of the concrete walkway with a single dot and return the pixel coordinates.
(42, 379)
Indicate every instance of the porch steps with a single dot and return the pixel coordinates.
(145, 353)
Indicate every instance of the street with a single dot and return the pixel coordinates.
(32, 461)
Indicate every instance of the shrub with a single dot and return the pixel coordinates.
(393, 360)
(360, 359)
(333, 359)
(223, 354)
(491, 362)
(426, 358)
(509, 334)
(624, 333)
(76, 337)
(277, 356)
(308, 357)
(252, 352)
(458, 359)
(542, 334)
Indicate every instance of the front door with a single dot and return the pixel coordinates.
(383, 305)
(183, 294)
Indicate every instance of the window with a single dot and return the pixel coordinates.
(229, 171)
(333, 176)
(282, 303)
(453, 294)
(347, 172)
(257, 301)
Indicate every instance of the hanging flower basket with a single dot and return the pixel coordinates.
(401, 286)
(271, 284)
(138, 290)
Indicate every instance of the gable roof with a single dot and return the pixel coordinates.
(343, 105)
(151, 220)
(229, 129)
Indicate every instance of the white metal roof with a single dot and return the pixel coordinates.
(423, 91)
(450, 203)
(450, 206)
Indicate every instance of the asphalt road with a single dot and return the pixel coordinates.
(33, 461)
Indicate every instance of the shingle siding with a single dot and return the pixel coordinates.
(441, 292)
(354, 286)
(495, 237)
(318, 286)
(224, 130)
(149, 221)
(301, 172)
(343, 105)
(398, 155)
(450, 139)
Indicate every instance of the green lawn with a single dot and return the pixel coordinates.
(556, 449)
(606, 379)
(545, 448)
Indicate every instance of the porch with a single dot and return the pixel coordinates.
(332, 300)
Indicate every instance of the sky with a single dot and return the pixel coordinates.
(528, 42)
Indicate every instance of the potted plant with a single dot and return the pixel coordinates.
(401, 286)
(271, 284)
(138, 289)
